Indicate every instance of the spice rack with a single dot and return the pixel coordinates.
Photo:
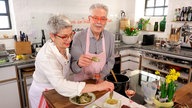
(151, 62)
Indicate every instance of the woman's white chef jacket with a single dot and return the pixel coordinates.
(52, 71)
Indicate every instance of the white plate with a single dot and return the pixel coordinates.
(90, 94)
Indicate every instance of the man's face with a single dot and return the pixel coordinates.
(98, 20)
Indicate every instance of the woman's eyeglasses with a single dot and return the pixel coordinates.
(95, 18)
(65, 37)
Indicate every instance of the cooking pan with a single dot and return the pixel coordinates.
(120, 85)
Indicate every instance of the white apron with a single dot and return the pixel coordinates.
(94, 67)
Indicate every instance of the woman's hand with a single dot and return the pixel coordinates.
(105, 85)
(84, 60)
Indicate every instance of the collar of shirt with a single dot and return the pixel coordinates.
(92, 36)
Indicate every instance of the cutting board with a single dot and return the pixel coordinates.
(23, 48)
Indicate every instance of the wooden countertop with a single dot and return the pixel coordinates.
(56, 100)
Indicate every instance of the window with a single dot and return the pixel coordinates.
(5, 21)
(156, 7)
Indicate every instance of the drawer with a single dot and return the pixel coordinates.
(7, 73)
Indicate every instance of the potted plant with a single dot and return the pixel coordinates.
(142, 24)
(167, 89)
(130, 35)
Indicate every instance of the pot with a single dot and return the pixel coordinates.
(120, 85)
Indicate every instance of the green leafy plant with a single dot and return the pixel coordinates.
(143, 23)
(131, 31)
(168, 87)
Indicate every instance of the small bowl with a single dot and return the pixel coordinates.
(114, 103)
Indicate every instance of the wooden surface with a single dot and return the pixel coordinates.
(184, 95)
(23, 47)
(56, 100)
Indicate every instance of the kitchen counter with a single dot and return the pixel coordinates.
(17, 62)
(179, 53)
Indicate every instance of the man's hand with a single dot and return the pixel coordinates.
(84, 60)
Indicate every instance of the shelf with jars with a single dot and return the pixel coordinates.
(162, 63)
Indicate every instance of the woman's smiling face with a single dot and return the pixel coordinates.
(63, 38)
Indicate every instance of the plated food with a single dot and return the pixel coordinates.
(112, 103)
(84, 99)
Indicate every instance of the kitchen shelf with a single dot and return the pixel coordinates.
(168, 62)
(151, 61)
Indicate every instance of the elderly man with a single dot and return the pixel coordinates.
(93, 42)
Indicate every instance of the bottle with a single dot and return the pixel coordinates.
(186, 14)
(156, 26)
(182, 13)
(190, 15)
(43, 40)
(175, 15)
(163, 24)
(179, 15)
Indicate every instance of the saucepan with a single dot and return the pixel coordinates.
(120, 85)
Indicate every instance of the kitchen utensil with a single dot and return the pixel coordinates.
(120, 85)
(111, 95)
(114, 75)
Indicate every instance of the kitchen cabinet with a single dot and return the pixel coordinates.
(25, 73)
(151, 62)
(9, 88)
(130, 60)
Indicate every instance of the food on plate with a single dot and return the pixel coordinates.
(125, 106)
(95, 59)
(84, 98)
(112, 101)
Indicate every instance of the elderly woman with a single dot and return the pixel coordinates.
(52, 65)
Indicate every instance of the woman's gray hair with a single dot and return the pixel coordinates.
(98, 5)
(58, 22)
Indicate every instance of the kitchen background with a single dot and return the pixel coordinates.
(30, 16)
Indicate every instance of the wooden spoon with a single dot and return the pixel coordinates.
(114, 75)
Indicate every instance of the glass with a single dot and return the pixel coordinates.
(130, 90)
(150, 3)
(102, 19)
(96, 74)
(149, 11)
(3, 7)
(158, 11)
(159, 2)
(4, 22)
(65, 37)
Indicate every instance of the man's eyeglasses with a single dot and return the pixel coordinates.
(102, 19)
(65, 37)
